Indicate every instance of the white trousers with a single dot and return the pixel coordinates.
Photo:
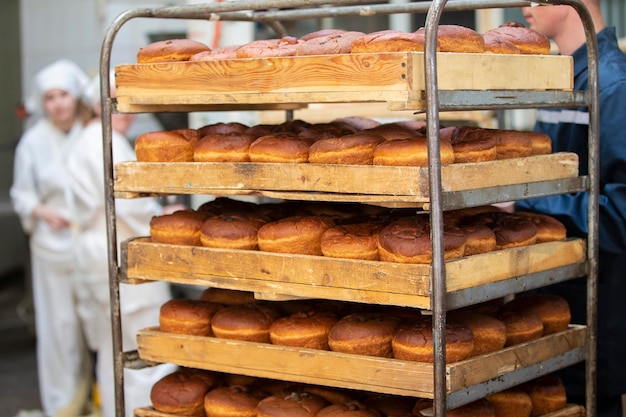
(63, 360)
(94, 311)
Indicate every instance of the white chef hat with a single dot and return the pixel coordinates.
(91, 92)
(63, 75)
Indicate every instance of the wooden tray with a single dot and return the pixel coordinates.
(390, 77)
(341, 370)
(570, 410)
(377, 182)
(333, 278)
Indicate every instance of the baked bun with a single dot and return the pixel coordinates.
(223, 205)
(179, 228)
(496, 44)
(414, 341)
(541, 144)
(512, 402)
(321, 33)
(171, 50)
(553, 310)
(294, 404)
(392, 131)
(456, 38)
(221, 128)
(410, 152)
(223, 148)
(472, 144)
(512, 144)
(333, 43)
(182, 392)
(227, 297)
(510, 229)
(367, 334)
(479, 238)
(250, 322)
(235, 230)
(164, 146)
(489, 332)
(352, 241)
(349, 409)
(269, 48)
(407, 240)
(232, 401)
(389, 41)
(521, 326)
(549, 229)
(528, 41)
(295, 234)
(547, 394)
(306, 329)
(478, 408)
(279, 147)
(355, 149)
(191, 317)
(330, 394)
(216, 54)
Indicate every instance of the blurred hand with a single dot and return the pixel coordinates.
(51, 217)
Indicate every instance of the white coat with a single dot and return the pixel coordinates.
(139, 303)
(40, 177)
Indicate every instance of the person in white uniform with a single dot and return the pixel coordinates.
(139, 303)
(39, 195)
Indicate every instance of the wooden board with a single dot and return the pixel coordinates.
(570, 410)
(410, 182)
(389, 77)
(341, 279)
(335, 369)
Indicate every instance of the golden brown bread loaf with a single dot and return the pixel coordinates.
(389, 41)
(511, 230)
(179, 228)
(279, 147)
(306, 329)
(496, 44)
(164, 146)
(235, 230)
(456, 38)
(232, 401)
(352, 241)
(527, 40)
(350, 409)
(170, 50)
(552, 309)
(332, 43)
(489, 332)
(191, 317)
(471, 144)
(269, 48)
(221, 128)
(512, 402)
(182, 392)
(521, 326)
(391, 131)
(364, 334)
(512, 143)
(547, 394)
(223, 148)
(413, 341)
(294, 404)
(407, 240)
(250, 322)
(295, 234)
(549, 229)
(215, 54)
(355, 149)
(410, 152)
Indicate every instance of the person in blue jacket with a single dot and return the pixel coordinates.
(568, 129)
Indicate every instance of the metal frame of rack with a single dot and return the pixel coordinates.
(270, 13)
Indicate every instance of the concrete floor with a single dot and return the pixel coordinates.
(18, 364)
